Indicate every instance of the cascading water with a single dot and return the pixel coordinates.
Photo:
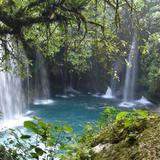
(42, 92)
(12, 102)
(70, 88)
(113, 86)
(129, 88)
(131, 69)
(108, 94)
(41, 79)
(28, 85)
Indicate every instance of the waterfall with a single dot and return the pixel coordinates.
(28, 84)
(70, 89)
(113, 86)
(41, 79)
(129, 87)
(42, 91)
(108, 94)
(12, 102)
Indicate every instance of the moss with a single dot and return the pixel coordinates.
(138, 141)
(119, 151)
(118, 132)
(149, 142)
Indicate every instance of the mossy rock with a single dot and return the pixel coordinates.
(138, 141)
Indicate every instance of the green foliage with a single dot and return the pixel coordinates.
(150, 64)
(80, 35)
(72, 37)
(126, 128)
(108, 116)
(129, 117)
(136, 141)
(112, 115)
(7, 154)
(45, 140)
(75, 4)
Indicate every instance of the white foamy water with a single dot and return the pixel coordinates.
(143, 100)
(43, 101)
(12, 102)
(108, 94)
(17, 121)
(127, 104)
(62, 96)
(28, 112)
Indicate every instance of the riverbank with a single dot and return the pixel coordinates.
(129, 139)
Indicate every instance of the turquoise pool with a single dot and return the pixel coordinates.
(76, 111)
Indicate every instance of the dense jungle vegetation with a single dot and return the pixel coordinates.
(86, 43)
(84, 38)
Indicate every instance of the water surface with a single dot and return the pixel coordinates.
(76, 111)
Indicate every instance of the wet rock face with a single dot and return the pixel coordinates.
(139, 141)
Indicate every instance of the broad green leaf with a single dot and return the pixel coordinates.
(68, 129)
(25, 137)
(42, 124)
(29, 124)
(39, 151)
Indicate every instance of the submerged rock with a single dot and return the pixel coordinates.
(138, 141)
